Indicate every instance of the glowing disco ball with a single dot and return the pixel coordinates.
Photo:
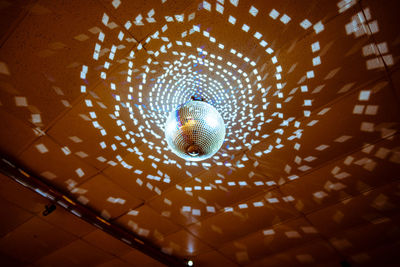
(195, 131)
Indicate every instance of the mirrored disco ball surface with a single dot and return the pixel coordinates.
(195, 131)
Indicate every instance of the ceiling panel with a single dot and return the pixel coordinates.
(373, 166)
(47, 239)
(105, 197)
(395, 78)
(13, 217)
(316, 251)
(270, 240)
(244, 217)
(12, 13)
(370, 207)
(137, 258)
(34, 239)
(213, 258)
(105, 242)
(331, 55)
(14, 193)
(9, 261)
(145, 17)
(54, 162)
(382, 18)
(28, 203)
(355, 240)
(83, 139)
(65, 221)
(15, 134)
(383, 255)
(75, 253)
(114, 262)
(44, 39)
(147, 172)
(148, 223)
(182, 243)
(213, 191)
(366, 122)
(188, 210)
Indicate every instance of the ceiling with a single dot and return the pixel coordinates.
(59, 239)
(309, 92)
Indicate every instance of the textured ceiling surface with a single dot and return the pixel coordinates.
(309, 92)
(59, 239)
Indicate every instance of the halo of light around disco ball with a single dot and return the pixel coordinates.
(195, 131)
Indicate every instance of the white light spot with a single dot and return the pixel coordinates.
(364, 95)
(305, 24)
(232, 20)
(285, 19)
(42, 148)
(274, 14)
(253, 11)
(318, 27)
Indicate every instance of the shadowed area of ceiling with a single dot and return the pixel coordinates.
(309, 92)
(60, 239)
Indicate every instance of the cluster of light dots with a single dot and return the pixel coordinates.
(230, 89)
(236, 93)
(236, 86)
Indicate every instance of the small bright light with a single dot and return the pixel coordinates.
(190, 263)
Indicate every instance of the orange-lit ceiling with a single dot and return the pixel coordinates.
(310, 94)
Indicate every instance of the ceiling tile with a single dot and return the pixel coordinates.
(145, 16)
(12, 12)
(55, 163)
(182, 244)
(373, 166)
(270, 240)
(357, 240)
(68, 222)
(15, 135)
(318, 73)
(383, 255)
(75, 253)
(114, 262)
(9, 261)
(137, 258)
(244, 217)
(370, 207)
(107, 198)
(18, 195)
(33, 240)
(180, 206)
(44, 41)
(382, 18)
(321, 142)
(147, 223)
(13, 216)
(395, 77)
(207, 189)
(93, 144)
(311, 253)
(212, 258)
(107, 243)
(149, 178)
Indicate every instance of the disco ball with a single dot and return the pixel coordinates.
(195, 131)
